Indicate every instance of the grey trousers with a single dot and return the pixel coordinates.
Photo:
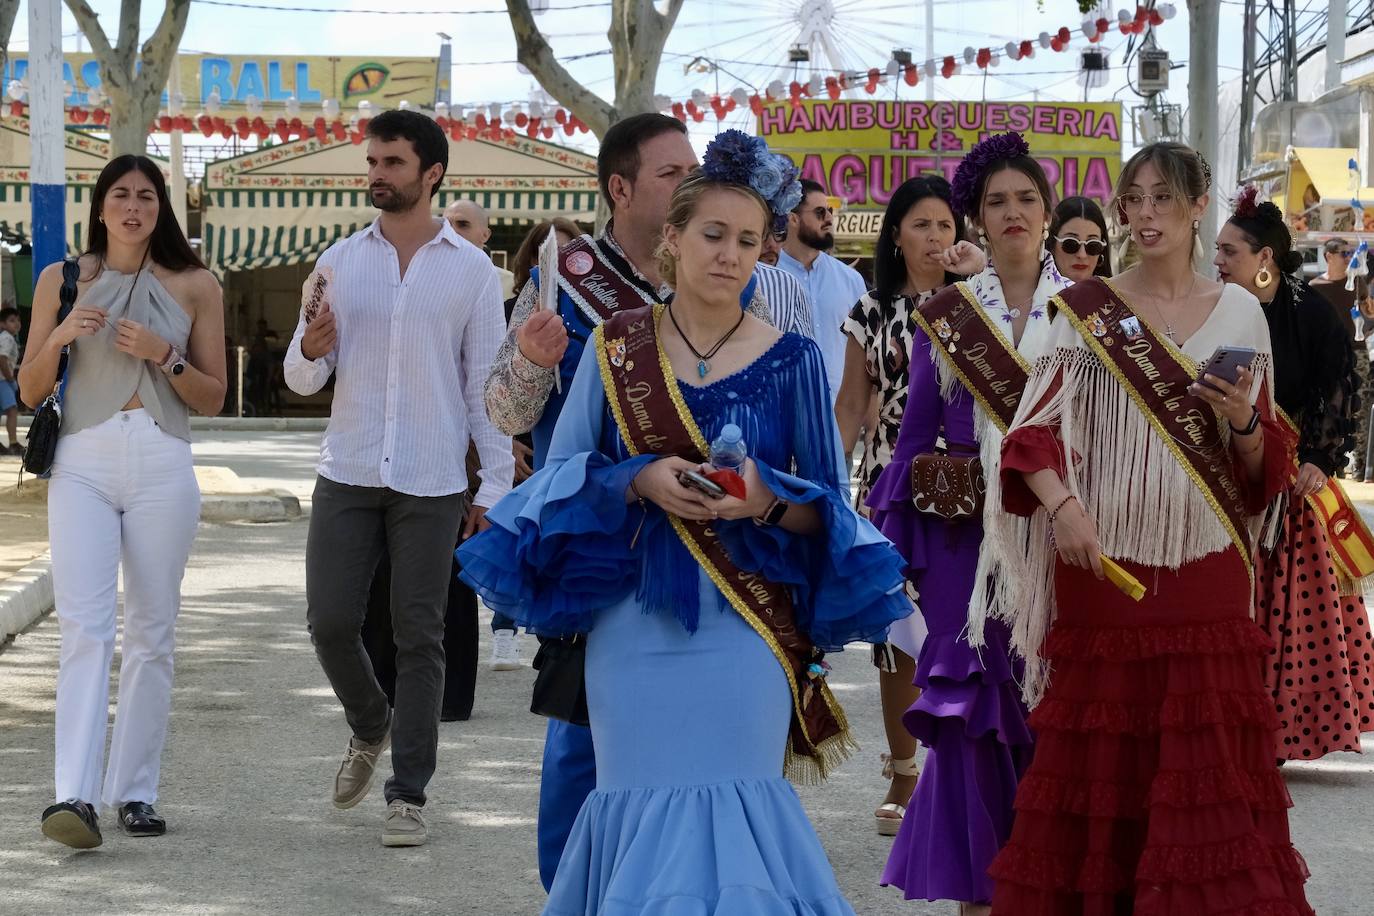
(349, 529)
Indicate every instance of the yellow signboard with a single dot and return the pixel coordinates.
(862, 150)
(385, 81)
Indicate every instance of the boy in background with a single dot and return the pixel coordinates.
(9, 380)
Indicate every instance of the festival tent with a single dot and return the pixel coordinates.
(286, 204)
(85, 157)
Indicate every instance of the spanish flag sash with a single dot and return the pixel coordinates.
(1156, 375)
(652, 418)
(1352, 543)
(976, 351)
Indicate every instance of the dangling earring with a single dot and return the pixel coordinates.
(1264, 278)
(896, 251)
(982, 239)
(1196, 225)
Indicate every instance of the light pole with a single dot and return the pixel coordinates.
(47, 151)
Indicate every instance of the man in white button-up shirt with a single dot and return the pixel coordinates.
(411, 322)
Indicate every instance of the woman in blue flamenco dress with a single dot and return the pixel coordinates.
(706, 619)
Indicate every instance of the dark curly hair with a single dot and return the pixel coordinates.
(1262, 225)
(889, 272)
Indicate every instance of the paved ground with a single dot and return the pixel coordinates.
(256, 736)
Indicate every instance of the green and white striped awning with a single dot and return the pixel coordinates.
(256, 228)
(16, 214)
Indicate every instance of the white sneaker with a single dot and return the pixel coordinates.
(505, 651)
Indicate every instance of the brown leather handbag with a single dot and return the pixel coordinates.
(949, 486)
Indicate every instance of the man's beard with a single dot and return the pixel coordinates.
(398, 200)
(821, 241)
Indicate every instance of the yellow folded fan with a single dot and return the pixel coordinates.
(1130, 586)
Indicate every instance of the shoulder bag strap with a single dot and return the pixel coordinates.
(71, 270)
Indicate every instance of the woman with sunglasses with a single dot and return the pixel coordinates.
(921, 250)
(969, 714)
(1320, 666)
(1078, 232)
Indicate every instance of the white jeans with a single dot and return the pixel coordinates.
(121, 490)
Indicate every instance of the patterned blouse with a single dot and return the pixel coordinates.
(884, 331)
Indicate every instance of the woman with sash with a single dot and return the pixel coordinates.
(921, 250)
(706, 618)
(1320, 667)
(1153, 790)
(971, 347)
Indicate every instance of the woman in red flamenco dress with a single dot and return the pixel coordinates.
(1154, 790)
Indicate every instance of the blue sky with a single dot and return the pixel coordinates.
(749, 40)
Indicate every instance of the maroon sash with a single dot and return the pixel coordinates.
(1156, 375)
(598, 280)
(653, 419)
(976, 351)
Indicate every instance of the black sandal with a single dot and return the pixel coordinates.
(72, 823)
(139, 819)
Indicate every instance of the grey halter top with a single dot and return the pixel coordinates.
(101, 379)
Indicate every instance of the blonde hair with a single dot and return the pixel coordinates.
(683, 207)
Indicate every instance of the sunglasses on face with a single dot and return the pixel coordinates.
(1093, 247)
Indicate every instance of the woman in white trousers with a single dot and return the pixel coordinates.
(146, 340)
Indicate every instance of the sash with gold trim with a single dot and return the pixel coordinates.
(1352, 543)
(976, 351)
(1156, 375)
(598, 280)
(652, 418)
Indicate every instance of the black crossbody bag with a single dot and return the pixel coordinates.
(40, 447)
(560, 687)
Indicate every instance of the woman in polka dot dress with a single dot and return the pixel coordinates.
(1320, 669)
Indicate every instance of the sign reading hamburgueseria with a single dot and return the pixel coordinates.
(862, 150)
(385, 81)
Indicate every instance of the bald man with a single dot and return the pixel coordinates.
(469, 219)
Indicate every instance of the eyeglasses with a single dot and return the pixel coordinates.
(1093, 247)
(1162, 203)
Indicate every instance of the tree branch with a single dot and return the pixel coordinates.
(9, 10)
(128, 29)
(534, 52)
(160, 49)
(89, 22)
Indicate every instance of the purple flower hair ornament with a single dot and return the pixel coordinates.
(1010, 145)
(734, 157)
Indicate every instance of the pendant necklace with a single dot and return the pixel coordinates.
(704, 360)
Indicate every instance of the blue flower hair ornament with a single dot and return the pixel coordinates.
(1009, 145)
(734, 157)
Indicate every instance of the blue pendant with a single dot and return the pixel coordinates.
(703, 367)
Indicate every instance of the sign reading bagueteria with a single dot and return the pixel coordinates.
(862, 150)
(385, 81)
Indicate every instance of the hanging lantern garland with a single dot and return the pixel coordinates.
(494, 124)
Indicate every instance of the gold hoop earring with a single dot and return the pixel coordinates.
(1264, 278)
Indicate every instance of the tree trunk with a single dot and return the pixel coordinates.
(637, 35)
(133, 78)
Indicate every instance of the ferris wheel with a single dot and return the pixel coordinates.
(808, 41)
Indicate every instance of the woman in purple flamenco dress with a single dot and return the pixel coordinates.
(969, 716)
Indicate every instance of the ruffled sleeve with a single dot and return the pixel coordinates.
(1279, 447)
(559, 545)
(1331, 397)
(846, 579)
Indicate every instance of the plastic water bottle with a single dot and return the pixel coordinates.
(728, 451)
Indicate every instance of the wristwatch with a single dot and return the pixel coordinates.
(773, 515)
(174, 364)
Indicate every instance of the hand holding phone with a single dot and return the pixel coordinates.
(1225, 363)
(701, 483)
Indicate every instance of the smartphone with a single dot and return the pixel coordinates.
(1226, 363)
(698, 482)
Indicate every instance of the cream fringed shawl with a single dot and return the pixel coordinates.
(986, 289)
(1147, 508)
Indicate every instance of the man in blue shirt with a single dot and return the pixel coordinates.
(832, 286)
